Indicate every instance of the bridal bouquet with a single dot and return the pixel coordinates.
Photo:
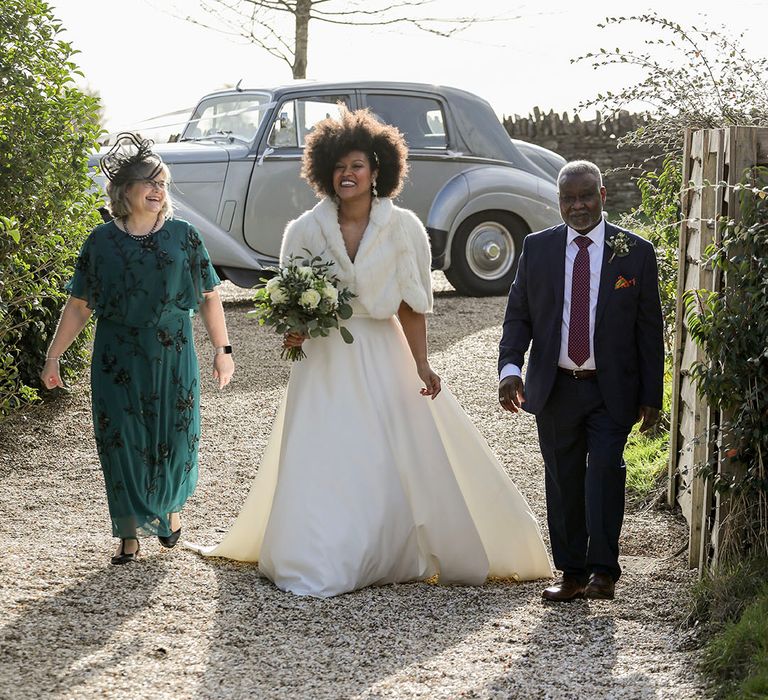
(303, 297)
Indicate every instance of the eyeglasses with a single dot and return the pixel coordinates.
(154, 184)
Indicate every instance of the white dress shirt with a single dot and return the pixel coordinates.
(597, 235)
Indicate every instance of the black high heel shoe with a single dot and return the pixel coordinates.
(123, 557)
(170, 541)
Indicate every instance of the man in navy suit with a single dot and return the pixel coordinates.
(586, 299)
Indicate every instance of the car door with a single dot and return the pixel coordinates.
(277, 193)
(424, 120)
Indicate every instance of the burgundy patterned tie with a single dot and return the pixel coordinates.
(578, 329)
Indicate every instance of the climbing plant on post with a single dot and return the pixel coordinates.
(731, 325)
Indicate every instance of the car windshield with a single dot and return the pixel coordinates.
(228, 116)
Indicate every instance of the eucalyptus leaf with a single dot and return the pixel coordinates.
(346, 335)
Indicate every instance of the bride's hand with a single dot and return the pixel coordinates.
(293, 340)
(431, 380)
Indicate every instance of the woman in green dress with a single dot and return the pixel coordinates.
(143, 275)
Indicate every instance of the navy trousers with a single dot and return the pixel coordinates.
(583, 450)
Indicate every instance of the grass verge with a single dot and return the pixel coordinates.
(733, 608)
(647, 454)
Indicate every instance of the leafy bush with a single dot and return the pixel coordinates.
(694, 79)
(47, 129)
(658, 220)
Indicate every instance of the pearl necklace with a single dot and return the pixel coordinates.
(146, 235)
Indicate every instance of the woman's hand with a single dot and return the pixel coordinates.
(223, 368)
(50, 374)
(293, 340)
(431, 380)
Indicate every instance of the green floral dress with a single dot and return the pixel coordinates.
(145, 380)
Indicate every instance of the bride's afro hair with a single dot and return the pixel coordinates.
(331, 139)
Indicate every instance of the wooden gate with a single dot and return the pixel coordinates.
(714, 161)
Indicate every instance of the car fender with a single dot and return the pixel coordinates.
(222, 248)
(484, 188)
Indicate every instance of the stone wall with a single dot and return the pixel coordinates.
(593, 140)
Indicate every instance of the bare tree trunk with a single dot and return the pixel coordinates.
(303, 8)
(255, 21)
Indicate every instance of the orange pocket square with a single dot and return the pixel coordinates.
(623, 283)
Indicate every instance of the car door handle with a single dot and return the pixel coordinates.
(267, 152)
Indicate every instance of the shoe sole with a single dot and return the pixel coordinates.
(119, 562)
(578, 596)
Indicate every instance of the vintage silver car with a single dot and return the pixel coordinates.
(236, 163)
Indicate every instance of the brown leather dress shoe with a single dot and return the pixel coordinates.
(600, 587)
(567, 588)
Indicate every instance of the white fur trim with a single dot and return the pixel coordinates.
(392, 263)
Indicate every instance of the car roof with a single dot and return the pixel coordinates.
(478, 129)
(279, 90)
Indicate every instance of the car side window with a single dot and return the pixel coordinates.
(420, 119)
(283, 133)
(296, 118)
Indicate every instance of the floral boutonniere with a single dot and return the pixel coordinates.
(619, 243)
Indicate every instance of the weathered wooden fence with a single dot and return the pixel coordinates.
(714, 161)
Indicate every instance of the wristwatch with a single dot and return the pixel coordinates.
(223, 350)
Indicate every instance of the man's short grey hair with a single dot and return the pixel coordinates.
(580, 167)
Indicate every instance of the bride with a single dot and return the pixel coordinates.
(363, 482)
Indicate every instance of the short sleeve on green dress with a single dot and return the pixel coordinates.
(203, 275)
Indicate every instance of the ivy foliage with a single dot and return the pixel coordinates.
(48, 127)
(732, 327)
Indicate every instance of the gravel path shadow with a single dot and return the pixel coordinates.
(178, 626)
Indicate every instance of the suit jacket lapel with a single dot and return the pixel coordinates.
(559, 241)
(605, 275)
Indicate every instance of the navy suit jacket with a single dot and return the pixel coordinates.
(628, 336)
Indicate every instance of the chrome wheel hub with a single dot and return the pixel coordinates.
(490, 250)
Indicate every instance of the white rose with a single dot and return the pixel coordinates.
(331, 293)
(306, 272)
(273, 283)
(278, 295)
(310, 299)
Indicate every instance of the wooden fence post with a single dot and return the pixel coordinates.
(677, 351)
(715, 160)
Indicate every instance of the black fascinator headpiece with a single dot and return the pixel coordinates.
(123, 162)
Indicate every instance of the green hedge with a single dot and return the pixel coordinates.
(47, 129)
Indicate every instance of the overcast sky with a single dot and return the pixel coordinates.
(144, 62)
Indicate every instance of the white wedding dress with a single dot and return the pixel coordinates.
(365, 482)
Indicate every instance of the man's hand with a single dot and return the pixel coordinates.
(511, 393)
(649, 415)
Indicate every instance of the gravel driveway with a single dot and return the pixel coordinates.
(179, 626)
